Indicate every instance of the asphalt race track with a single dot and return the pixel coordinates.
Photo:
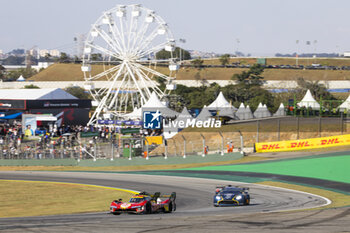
(194, 213)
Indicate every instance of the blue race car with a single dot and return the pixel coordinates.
(231, 196)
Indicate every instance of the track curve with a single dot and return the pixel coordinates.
(194, 199)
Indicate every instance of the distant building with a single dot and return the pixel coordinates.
(2, 55)
(42, 65)
(52, 52)
(195, 53)
(346, 54)
(55, 53)
(33, 52)
(43, 52)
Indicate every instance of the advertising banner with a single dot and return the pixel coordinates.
(49, 104)
(118, 122)
(158, 140)
(303, 144)
(13, 104)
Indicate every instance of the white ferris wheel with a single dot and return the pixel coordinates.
(120, 64)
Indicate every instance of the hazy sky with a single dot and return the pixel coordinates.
(263, 27)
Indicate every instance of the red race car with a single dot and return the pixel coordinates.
(144, 203)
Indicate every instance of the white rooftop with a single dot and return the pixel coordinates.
(35, 94)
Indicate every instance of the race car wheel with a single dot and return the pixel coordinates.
(170, 207)
(148, 208)
(116, 213)
(246, 202)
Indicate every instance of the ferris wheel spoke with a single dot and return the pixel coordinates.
(153, 85)
(135, 81)
(113, 42)
(122, 26)
(142, 77)
(144, 44)
(139, 36)
(116, 76)
(123, 96)
(115, 32)
(129, 33)
(106, 51)
(104, 73)
(152, 71)
(154, 49)
(117, 91)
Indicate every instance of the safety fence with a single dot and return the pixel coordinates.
(94, 148)
(202, 143)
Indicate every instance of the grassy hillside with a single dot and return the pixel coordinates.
(286, 61)
(72, 72)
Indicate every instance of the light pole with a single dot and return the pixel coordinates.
(315, 42)
(308, 43)
(296, 56)
(182, 41)
(237, 41)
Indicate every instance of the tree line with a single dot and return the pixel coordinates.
(246, 88)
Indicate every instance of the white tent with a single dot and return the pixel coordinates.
(280, 111)
(240, 112)
(309, 101)
(184, 115)
(204, 114)
(244, 113)
(222, 106)
(220, 102)
(21, 78)
(345, 104)
(262, 111)
(154, 104)
(248, 113)
(134, 115)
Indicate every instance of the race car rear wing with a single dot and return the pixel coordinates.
(171, 196)
(224, 186)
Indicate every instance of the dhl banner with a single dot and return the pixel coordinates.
(158, 140)
(303, 144)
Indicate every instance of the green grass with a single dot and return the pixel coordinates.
(329, 168)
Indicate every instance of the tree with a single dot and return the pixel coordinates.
(96, 57)
(13, 60)
(224, 59)
(15, 74)
(163, 54)
(78, 92)
(31, 86)
(197, 63)
(2, 72)
(317, 89)
(175, 102)
(250, 77)
(47, 57)
(64, 58)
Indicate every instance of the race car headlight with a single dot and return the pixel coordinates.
(217, 198)
(239, 197)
